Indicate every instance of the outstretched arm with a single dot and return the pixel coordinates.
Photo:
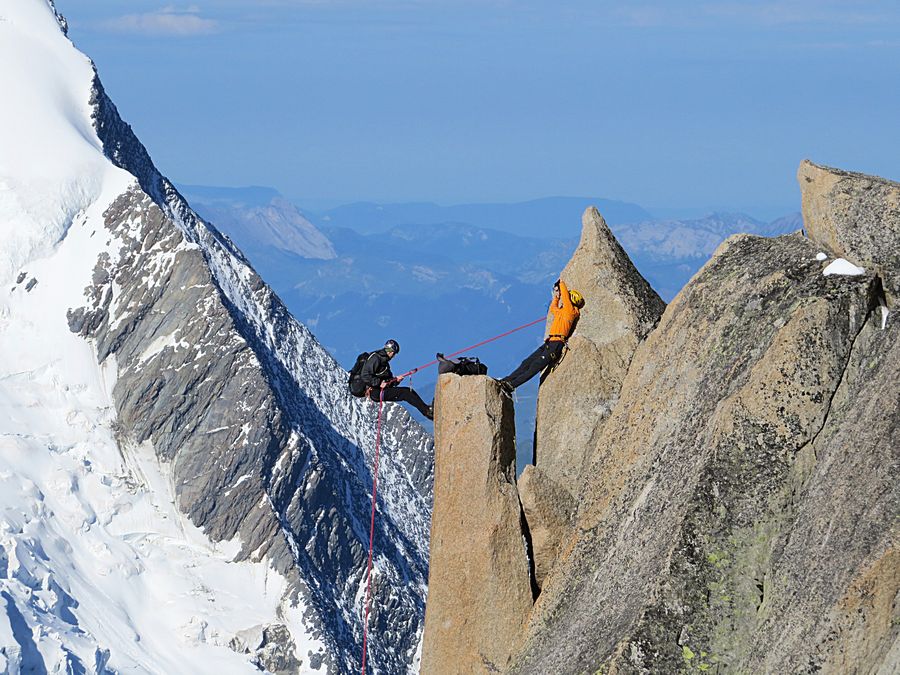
(565, 300)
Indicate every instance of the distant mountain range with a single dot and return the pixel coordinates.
(669, 252)
(547, 218)
(437, 284)
(260, 220)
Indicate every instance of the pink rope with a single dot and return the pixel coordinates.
(483, 342)
(372, 531)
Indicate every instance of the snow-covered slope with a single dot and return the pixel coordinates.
(51, 165)
(183, 479)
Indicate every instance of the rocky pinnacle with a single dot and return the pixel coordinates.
(480, 589)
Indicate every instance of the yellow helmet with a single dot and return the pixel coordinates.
(576, 299)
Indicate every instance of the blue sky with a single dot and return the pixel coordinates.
(701, 104)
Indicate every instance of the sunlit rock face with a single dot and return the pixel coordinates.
(578, 395)
(739, 504)
(854, 216)
(479, 583)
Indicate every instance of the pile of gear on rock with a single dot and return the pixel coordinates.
(371, 375)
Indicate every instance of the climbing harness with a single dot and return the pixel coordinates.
(375, 472)
(565, 350)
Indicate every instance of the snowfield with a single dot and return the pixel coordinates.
(98, 570)
(96, 563)
(51, 162)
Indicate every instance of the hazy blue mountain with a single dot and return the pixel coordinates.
(789, 223)
(669, 252)
(550, 217)
(260, 221)
(252, 195)
(446, 256)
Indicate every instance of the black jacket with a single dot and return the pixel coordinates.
(377, 369)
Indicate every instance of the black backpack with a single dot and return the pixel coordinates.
(463, 365)
(357, 388)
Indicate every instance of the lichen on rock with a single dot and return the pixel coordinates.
(738, 504)
(729, 512)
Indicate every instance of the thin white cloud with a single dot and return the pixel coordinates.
(168, 21)
(764, 13)
(794, 12)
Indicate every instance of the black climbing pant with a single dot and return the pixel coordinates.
(406, 394)
(543, 357)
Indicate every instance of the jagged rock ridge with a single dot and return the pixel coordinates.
(262, 401)
(738, 508)
(737, 511)
(682, 531)
(620, 310)
(579, 393)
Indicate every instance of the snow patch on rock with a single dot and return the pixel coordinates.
(843, 267)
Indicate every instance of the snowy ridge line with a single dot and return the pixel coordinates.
(284, 346)
(152, 269)
(239, 283)
(99, 572)
(90, 532)
(245, 417)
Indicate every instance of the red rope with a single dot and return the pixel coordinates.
(372, 530)
(483, 342)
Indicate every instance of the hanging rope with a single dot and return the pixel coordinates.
(372, 529)
(479, 344)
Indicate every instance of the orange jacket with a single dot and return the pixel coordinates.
(562, 316)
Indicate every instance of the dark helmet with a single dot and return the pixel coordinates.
(392, 346)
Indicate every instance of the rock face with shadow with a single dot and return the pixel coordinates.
(854, 216)
(739, 505)
(548, 511)
(254, 418)
(479, 583)
(578, 395)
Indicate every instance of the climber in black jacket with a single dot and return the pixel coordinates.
(381, 384)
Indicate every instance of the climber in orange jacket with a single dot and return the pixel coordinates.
(561, 319)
